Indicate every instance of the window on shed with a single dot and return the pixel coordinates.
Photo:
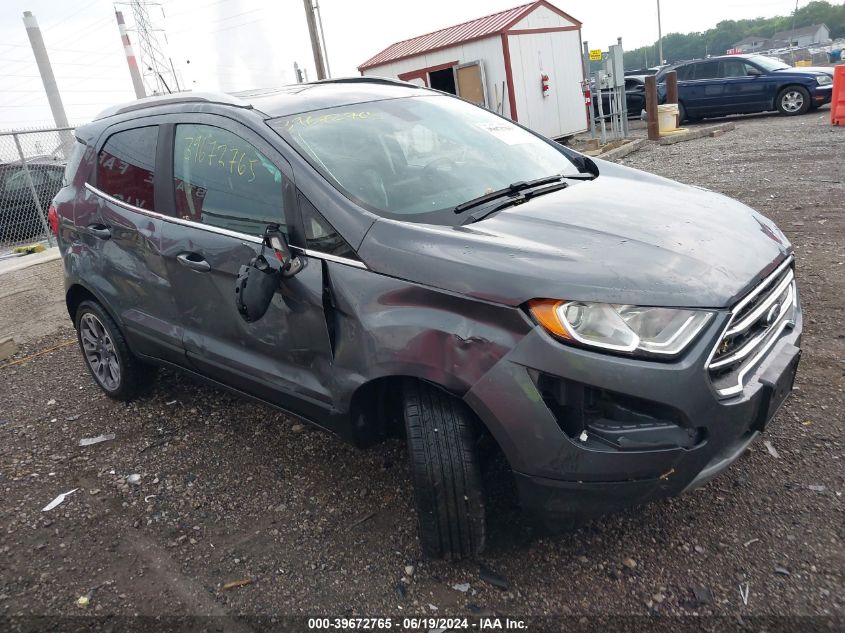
(443, 80)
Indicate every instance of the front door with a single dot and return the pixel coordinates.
(228, 185)
(744, 91)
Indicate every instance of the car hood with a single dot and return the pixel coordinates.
(805, 70)
(625, 237)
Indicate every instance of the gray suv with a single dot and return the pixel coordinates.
(381, 259)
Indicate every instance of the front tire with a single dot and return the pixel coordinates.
(446, 474)
(105, 352)
(793, 100)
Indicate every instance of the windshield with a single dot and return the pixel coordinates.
(419, 157)
(768, 63)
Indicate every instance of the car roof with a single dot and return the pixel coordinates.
(283, 101)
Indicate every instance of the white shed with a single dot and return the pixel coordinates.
(525, 63)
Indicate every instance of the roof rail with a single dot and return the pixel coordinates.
(150, 102)
(368, 79)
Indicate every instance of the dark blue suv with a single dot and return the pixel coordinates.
(740, 84)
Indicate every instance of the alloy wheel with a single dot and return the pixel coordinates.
(99, 350)
(792, 101)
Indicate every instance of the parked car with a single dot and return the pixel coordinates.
(382, 259)
(634, 97)
(19, 219)
(739, 84)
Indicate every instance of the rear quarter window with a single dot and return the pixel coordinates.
(73, 162)
(125, 166)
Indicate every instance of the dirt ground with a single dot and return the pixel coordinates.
(233, 491)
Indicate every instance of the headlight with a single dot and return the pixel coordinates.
(824, 80)
(621, 328)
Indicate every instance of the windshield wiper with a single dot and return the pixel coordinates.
(509, 191)
(490, 209)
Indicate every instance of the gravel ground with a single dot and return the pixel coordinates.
(233, 491)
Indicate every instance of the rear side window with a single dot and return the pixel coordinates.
(125, 166)
(222, 180)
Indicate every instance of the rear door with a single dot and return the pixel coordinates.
(227, 185)
(119, 249)
(703, 91)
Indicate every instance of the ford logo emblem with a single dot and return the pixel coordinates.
(772, 315)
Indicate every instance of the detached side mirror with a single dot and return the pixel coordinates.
(275, 239)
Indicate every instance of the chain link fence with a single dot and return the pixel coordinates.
(32, 164)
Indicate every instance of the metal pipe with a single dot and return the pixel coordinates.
(322, 37)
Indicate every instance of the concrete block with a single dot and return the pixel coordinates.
(8, 347)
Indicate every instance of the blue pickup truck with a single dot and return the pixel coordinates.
(740, 84)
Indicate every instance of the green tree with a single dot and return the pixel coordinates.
(716, 41)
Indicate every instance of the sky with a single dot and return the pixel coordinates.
(233, 45)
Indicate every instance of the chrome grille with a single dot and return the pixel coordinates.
(756, 323)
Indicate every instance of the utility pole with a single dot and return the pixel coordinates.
(315, 40)
(137, 83)
(43, 61)
(659, 37)
(791, 35)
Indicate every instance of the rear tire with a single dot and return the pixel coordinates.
(447, 478)
(793, 100)
(115, 370)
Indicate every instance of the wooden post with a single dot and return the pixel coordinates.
(672, 87)
(651, 107)
(672, 92)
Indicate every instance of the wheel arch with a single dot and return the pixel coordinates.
(77, 293)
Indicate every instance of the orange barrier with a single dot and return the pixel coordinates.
(837, 102)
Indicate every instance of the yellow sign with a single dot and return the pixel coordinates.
(595, 55)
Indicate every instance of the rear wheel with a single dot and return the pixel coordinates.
(793, 100)
(115, 370)
(446, 475)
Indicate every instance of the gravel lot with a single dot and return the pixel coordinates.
(233, 491)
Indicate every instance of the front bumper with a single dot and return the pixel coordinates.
(561, 472)
(822, 94)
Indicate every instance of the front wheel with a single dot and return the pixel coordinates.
(793, 100)
(446, 474)
(116, 371)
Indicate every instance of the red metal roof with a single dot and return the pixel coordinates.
(474, 29)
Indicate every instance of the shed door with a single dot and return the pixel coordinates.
(470, 82)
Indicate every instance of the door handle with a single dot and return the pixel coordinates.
(99, 230)
(193, 261)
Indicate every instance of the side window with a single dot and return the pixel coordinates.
(125, 166)
(734, 68)
(685, 72)
(222, 180)
(707, 70)
(321, 236)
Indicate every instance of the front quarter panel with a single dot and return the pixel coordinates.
(389, 327)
